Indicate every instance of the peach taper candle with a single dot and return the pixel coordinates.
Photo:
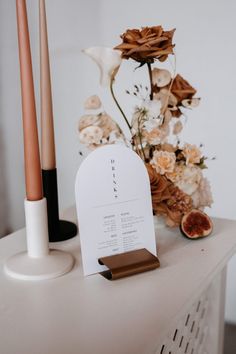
(33, 180)
(59, 230)
(47, 127)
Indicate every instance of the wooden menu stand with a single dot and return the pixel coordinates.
(128, 263)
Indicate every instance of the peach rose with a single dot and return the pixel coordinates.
(163, 161)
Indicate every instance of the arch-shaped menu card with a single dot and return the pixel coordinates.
(114, 207)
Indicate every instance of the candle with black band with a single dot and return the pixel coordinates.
(59, 230)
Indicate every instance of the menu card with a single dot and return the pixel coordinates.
(114, 207)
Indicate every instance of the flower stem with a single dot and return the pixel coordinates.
(117, 103)
(150, 78)
(140, 139)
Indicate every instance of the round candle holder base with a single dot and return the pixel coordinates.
(22, 266)
(38, 262)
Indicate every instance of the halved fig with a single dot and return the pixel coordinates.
(196, 224)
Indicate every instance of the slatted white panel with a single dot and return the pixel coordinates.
(191, 334)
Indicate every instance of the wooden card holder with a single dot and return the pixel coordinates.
(128, 263)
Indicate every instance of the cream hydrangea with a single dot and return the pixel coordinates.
(202, 197)
(163, 161)
(190, 179)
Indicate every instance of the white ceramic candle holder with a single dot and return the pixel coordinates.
(38, 262)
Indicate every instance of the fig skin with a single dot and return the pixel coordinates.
(202, 225)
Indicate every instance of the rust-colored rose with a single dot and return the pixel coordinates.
(175, 206)
(167, 199)
(179, 201)
(147, 44)
(159, 186)
(182, 89)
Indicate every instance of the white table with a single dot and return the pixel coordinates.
(178, 308)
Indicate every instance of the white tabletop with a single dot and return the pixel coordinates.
(74, 314)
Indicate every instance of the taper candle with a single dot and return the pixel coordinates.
(47, 128)
(33, 179)
(59, 230)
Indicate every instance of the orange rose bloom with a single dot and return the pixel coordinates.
(146, 44)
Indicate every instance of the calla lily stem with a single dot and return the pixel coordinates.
(117, 103)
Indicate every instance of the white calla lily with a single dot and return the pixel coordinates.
(108, 60)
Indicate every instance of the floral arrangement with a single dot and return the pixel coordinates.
(175, 169)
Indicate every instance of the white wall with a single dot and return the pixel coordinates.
(206, 56)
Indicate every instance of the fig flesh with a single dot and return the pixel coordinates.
(196, 224)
